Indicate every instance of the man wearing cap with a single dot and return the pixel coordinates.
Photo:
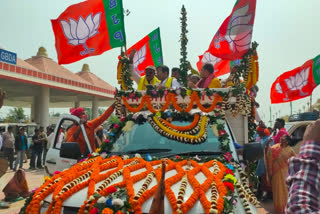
(148, 79)
(166, 81)
(74, 133)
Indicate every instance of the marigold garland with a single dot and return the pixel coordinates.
(193, 124)
(171, 99)
(185, 138)
(76, 178)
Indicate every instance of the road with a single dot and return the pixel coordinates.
(35, 178)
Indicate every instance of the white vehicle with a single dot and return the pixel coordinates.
(29, 129)
(138, 140)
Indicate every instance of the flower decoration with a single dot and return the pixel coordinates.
(229, 185)
(102, 200)
(177, 157)
(230, 178)
(46, 178)
(94, 211)
(125, 157)
(111, 189)
(137, 155)
(116, 126)
(98, 150)
(222, 132)
(106, 140)
(230, 166)
(33, 191)
(122, 119)
(228, 156)
(109, 202)
(103, 155)
(118, 202)
(229, 171)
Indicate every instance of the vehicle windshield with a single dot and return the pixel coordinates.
(144, 137)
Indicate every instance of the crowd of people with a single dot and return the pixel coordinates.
(17, 143)
(290, 179)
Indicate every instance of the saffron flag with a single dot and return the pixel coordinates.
(221, 67)
(88, 28)
(149, 52)
(297, 83)
(233, 38)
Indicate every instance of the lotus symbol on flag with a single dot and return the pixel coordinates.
(78, 32)
(239, 30)
(209, 58)
(138, 58)
(278, 88)
(299, 81)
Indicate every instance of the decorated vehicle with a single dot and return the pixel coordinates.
(179, 143)
(203, 174)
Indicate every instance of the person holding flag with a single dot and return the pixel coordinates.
(148, 79)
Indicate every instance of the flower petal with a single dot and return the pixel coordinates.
(82, 29)
(90, 23)
(66, 29)
(73, 26)
(96, 21)
(240, 12)
(288, 81)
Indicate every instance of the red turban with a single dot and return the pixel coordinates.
(76, 111)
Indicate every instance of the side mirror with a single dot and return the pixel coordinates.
(70, 150)
(252, 151)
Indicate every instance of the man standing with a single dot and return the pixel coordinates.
(36, 150)
(166, 81)
(175, 72)
(148, 79)
(74, 133)
(279, 125)
(208, 78)
(44, 141)
(8, 146)
(21, 146)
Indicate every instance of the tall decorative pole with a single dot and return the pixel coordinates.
(183, 49)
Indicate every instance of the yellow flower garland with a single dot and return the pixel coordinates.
(185, 138)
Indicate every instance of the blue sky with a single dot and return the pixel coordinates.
(287, 33)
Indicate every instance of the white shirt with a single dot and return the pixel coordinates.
(174, 84)
(50, 139)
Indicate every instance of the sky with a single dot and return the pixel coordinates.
(286, 30)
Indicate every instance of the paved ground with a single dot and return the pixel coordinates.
(35, 179)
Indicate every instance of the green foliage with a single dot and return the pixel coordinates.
(113, 119)
(183, 49)
(16, 115)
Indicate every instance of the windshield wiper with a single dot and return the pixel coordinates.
(195, 153)
(147, 151)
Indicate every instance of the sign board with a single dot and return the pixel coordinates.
(8, 57)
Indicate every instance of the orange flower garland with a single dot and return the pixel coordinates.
(171, 99)
(73, 180)
(183, 128)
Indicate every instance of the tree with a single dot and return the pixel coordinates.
(183, 49)
(16, 115)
